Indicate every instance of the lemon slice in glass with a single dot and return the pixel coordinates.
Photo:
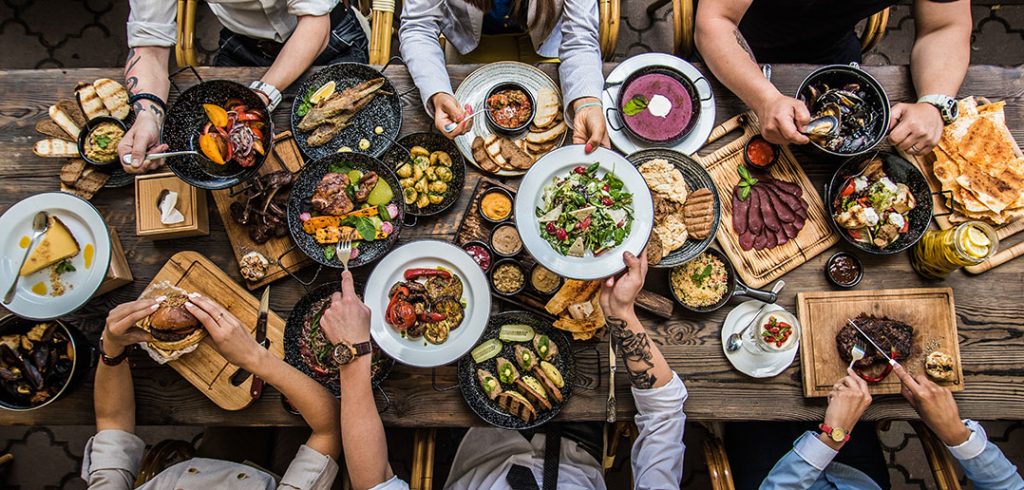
(975, 243)
(326, 90)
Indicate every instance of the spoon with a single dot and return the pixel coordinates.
(735, 340)
(40, 224)
(127, 158)
(452, 125)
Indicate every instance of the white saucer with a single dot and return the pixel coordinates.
(757, 366)
(705, 122)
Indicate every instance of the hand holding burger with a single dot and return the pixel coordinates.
(229, 336)
(120, 330)
(171, 326)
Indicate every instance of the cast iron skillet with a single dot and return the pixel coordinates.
(302, 192)
(397, 155)
(691, 91)
(15, 325)
(185, 121)
(385, 111)
(696, 178)
(839, 75)
(487, 409)
(735, 287)
(899, 171)
(293, 339)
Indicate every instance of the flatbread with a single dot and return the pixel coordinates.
(547, 108)
(664, 178)
(672, 232)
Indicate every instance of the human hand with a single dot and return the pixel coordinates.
(781, 118)
(619, 293)
(120, 330)
(347, 318)
(231, 339)
(589, 125)
(935, 405)
(846, 404)
(447, 110)
(141, 139)
(915, 128)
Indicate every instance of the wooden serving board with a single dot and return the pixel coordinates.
(285, 156)
(204, 367)
(759, 267)
(822, 314)
(941, 213)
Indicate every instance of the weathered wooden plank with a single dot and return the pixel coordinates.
(989, 312)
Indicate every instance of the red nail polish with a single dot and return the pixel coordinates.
(589, 148)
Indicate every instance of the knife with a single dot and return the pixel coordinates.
(261, 338)
(873, 343)
(610, 408)
(261, 326)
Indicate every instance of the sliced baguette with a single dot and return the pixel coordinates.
(63, 119)
(547, 108)
(546, 136)
(55, 148)
(114, 96)
(90, 102)
(47, 127)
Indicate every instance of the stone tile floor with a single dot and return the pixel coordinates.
(91, 33)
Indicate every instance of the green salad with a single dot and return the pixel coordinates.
(583, 212)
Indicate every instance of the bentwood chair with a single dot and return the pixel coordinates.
(684, 15)
(939, 460)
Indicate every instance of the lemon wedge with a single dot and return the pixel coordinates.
(978, 237)
(326, 90)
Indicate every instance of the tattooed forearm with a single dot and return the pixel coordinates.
(635, 350)
(743, 44)
(130, 78)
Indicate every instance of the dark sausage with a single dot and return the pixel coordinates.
(739, 212)
(771, 218)
(755, 223)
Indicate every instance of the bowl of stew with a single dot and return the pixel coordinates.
(510, 108)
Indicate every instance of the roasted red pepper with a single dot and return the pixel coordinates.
(885, 372)
(432, 317)
(413, 274)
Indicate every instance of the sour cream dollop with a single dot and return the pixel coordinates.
(659, 106)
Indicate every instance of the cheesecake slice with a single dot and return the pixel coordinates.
(57, 244)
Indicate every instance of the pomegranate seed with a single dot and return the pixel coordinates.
(561, 235)
(580, 170)
(605, 187)
(550, 228)
(607, 201)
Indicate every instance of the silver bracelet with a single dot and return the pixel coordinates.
(587, 106)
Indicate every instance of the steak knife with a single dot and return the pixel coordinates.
(261, 338)
(873, 343)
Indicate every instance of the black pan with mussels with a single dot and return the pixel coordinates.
(849, 110)
(39, 362)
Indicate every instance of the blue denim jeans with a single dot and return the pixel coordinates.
(347, 43)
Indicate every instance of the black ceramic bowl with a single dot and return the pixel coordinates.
(90, 126)
(529, 279)
(494, 249)
(491, 256)
(185, 121)
(696, 177)
(304, 188)
(497, 128)
(504, 192)
(746, 153)
(691, 91)
(899, 171)
(309, 307)
(61, 372)
(494, 268)
(734, 287)
(396, 156)
(837, 76)
(385, 110)
(487, 409)
(833, 259)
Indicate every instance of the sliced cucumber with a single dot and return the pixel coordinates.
(486, 350)
(516, 333)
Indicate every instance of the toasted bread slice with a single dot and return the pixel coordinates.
(55, 148)
(70, 107)
(515, 155)
(47, 127)
(72, 171)
(65, 122)
(114, 96)
(516, 405)
(538, 149)
(90, 102)
(698, 213)
(547, 108)
(533, 390)
(92, 181)
(481, 157)
(546, 136)
(573, 291)
(549, 386)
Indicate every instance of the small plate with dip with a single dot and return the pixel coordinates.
(762, 364)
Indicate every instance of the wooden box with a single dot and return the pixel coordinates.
(119, 274)
(191, 204)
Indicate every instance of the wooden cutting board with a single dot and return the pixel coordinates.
(204, 367)
(285, 156)
(822, 314)
(759, 267)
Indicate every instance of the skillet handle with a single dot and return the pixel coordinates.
(758, 294)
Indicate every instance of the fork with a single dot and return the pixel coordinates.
(343, 250)
(856, 353)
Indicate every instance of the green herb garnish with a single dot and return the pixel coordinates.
(746, 182)
(635, 106)
(305, 105)
(65, 266)
(329, 253)
(699, 277)
(102, 141)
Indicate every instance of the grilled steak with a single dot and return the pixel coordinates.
(331, 196)
(890, 334)
(366, 184)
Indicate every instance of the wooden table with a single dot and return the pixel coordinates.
(989, 307)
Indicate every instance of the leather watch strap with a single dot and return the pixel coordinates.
(363, 348)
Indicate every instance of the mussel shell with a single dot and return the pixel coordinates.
(32, 374)
(822, 126)
(7, 375)
(8, 356)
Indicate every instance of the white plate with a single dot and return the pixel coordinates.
(473, 90)
(757, 366)
(475, 290)
(705, 122)
(87, 226)
(560, 163)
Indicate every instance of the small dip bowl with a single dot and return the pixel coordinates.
(505, 130)
(481, 254)
(500, 269)
(760, 154)
(538, 273)
(496, 193)
(844, 270)
(506, 233)
(90, 127)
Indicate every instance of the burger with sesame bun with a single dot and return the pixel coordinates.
(172, 326)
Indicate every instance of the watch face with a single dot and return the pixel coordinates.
(343, 354)
(838, 434)
(954, 109)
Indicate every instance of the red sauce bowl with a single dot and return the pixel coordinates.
(759, 153)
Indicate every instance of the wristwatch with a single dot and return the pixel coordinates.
(344, 352)
(837, 434)
(116, 360)
(270, 91)
(945, 104)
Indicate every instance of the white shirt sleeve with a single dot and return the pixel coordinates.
(310, 470)
(658, 453)
(421, 50)
(111, 460)
(311, 7)
(393, 484)
(151, 23)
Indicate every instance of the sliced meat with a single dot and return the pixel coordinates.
(366, 184)
(802, 210)
(799, 224)
(785, 206)
(768, 213)
(330, 197)
(791, 230)
(755, 222)
(780, 236)
(761, 241)
(788, 187)
(771, 241)
(747, 240)
(739, 212)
